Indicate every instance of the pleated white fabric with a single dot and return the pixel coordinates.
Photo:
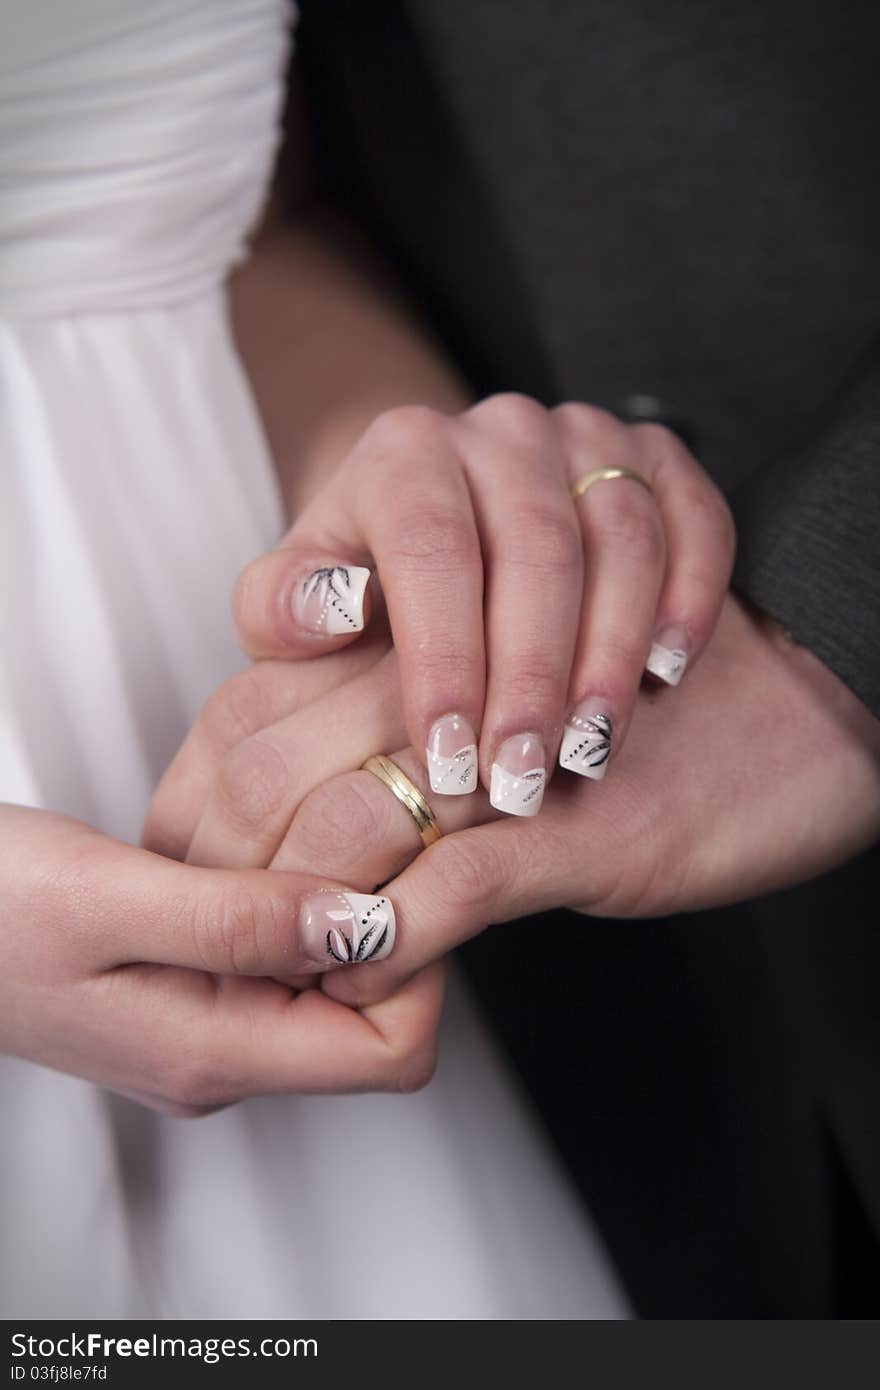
(136, 140)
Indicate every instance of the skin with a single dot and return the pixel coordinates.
(171, 983)
(719, 795)
(161, 979)
(508, 601)
(148, 977)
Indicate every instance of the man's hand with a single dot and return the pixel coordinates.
(761, 770)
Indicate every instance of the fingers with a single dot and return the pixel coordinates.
(491, 491)
(261, 781)
(187, 1045)
(296, 602)
(700, 544)
(625, 556)
(353, 826)
(658, 566)
(401, 503)
(534, 564)
(148, 976)
(129, 906)
(249, 701)
(411, 503)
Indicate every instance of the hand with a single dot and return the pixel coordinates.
(498, 622)
(760, 771)
(145, 976)
(265, 773)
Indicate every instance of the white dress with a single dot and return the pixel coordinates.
(136, 141)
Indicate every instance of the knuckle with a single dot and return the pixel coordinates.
(578, 419)
(446, 668)
(406, 426)
(416, 1066)
(236, 709)
(252, 784)
(545, 540)
(512, 413)
(468, 876)
(630, 525)
(658, 440)
(532, 685)
(436, 539)
(341, 822)
(235, 933)
(191, 1087)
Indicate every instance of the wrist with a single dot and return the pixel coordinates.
(329, 343)
(858, 726)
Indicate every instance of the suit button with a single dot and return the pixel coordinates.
(641, 408)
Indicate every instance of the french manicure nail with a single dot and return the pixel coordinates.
(451, 755)
(668, 656)
(331, 600)
(519, 773)
(586, 741)
(346, 928)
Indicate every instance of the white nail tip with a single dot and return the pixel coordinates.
(586, 745)
(455, 776)
(331, 600)
(363, 927)
(668, 664)
(518, 796)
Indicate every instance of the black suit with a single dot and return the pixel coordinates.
(670, 208)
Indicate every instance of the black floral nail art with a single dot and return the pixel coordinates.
(333, 587)
(594, 748)
(367, 938)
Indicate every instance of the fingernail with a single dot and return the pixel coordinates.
(346, 928)
(519, 773)
(586, 741)
(331, 600)
(668, 656)
(451, 755)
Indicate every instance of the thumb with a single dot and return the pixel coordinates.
(135, 907)
(452, 891)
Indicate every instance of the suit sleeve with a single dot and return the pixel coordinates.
(809, 537)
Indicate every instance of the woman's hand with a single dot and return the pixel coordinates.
(514, 609)
(148, 976)
(761, 771)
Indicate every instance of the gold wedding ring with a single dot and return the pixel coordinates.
(407, 794)
(606, 475)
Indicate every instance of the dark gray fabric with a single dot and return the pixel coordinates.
(809, 537)
(674, 199)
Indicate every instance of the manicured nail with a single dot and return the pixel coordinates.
(519, 773)
(451, 754)
(668, 656)
(331, 600)
(346, 928)
(586, 741)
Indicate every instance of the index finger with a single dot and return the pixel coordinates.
(402, 504)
